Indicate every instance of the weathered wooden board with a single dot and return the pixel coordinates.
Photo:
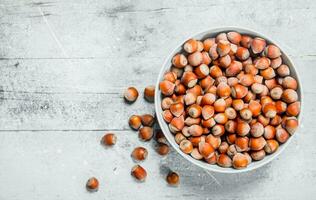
(65, 64)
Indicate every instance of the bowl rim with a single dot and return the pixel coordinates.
(164, 127)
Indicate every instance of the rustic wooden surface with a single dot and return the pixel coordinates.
(64, 65)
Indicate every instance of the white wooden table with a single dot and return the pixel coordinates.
(64, 65)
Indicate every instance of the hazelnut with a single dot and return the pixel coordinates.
(179, 61)
(234, 37)
(231, 138)
(262, 63)
(276, 62)
(223, 90)
(176, 124)
(131, 94)
(213, 141)
(241, 144)
(195, 59)
(179, 137)
(293, 109)
(269, 110)
(218, 130)
(271, 146)
(231, 126)
(206, 150)
(166, 87)
(213, 52)
(215, 71)
(220, 105)
(189, 121)
(263, 120)
(276, 120)
(269, 132)
(271, 83)
(221, 36)
(289, 83)
(238, 104)
(207, 112)
(240, 161)
(167, 115)
(231, 81)
(195, 130)
(230, 113)
(109, 139)
(178, 71)
(242, 53)
(160, 137)
(145, 133)
(195, 111)
(283, 71)
(92, 184)
(196, 140)
(251, 69)
(291, 125)
(180, 89)
(246, 113)
(257, 129)
(166, 102)
(186, 146)
(223, 47)
(257, 88)
(202, 71)
(208, 43)
(276, 93)
(224, 160)
(212, 160)
(149, 92)
(197, 90)
(272, 51)
(255, 108)
(267, 73)
(196, 154)
(231, 151)
(139, 173)
(190, 46)
(243, 128)
(173, 179)
(177, 109)
(206, 59)
(234, 68)
(206, 82)
(246, 80)
(246, 41)
(209, 123)
(170, 76)
(139, 154)
(208, 99)
(257, 144)
(238, 91)
(225, 61)
(189, 79)
(147, 120)
(135, 122)
(220, 118)
(223, 147)
(281, 135)
(289, 96)
(258, 155)
(258, 45)
(163, 149)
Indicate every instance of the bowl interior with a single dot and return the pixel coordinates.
(164, 126)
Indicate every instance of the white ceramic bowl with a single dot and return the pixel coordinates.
(164, 126)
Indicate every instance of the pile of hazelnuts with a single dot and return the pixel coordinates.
(144, 125)
(230, 100)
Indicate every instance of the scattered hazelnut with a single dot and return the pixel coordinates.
(147, 120)
(139, 153)
(149, 92)
(109, 139)
(131, 94)
(139, 173)
(135, 122)
(145, 133)
(240, 161)
(173, 179)
(163, 149)
(92, 184)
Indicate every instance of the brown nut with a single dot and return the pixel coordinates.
(224, 160)
(272, 51)
(257, 129)
(291, 125)
(276, 93)
(148, 120)
(238, 104)
(231, 138)
(293, 109)
(240, 161)
(196, 140)
(109, 139)
(190, 46)
(190, 98)
(195, 59)
(234, 37)
(218, 130)
(220, 118)
(225, 61)
(230, 113)
(283, 71)
(263, 120)
(289, 96)
(186, 146)
(131, 94)
(257, 144)
(234, 68)
(223, 90)
(243, 128)
(258, 45)
(213, 141)
(258, 155)
(145, 133)
(196, 154)
(189, 79)
(255, 108)
(135, 122)
(166, 88)
(166, 102)
(246, 80)
(173, 178)
(271, 146)
(206, 150)
(223, 147)
(269, 110)
(223, 47)
(201, 71)
(139, 154)
(207, 112)
(246, 41)
(289, 83)
(231, 126)
(268, 73)
(176, 124)
(209, 123)
(163, 149)
(92, 184)
(241, 144)
(231, 151)
(239, 91)
(179, 61)
(269, 132)
(242, 53)
(215, 71)
(246, 114)
(139, 173)
(262, 63)
(195, 111)
(281, 135)
(179, 137)
(170, 76)
(276, 62)
(208, 99)
(208, 43)
(167, 115)
(195, 130)
(177, 109)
